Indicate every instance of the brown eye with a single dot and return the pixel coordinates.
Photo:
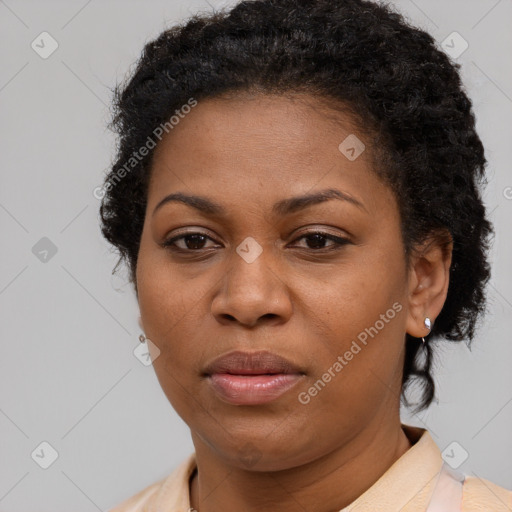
(189, 242)
(316, 240)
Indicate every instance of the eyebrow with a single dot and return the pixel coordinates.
(282, 208)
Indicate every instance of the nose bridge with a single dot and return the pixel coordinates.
(251, 264)
(251, 286)
(251, 273)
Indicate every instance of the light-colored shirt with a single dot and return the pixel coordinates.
(411, 484)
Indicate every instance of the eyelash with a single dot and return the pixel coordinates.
(339, 242)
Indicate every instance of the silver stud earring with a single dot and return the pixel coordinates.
(428, 325)
(142, 338)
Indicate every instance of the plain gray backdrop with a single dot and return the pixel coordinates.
(69, 377)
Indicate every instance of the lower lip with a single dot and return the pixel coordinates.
(252, 389)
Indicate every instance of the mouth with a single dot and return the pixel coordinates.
(252, 378)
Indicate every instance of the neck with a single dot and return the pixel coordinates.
(328, 483)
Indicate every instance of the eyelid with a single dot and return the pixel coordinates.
(190, 231)
(168, 241)
(339, 240)
(323, 229)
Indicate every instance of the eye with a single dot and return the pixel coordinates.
(190, 242)
(195, 242)
(316, 241)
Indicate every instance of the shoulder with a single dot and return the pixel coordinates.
(138, 502)
(481, 495)
(171, 491)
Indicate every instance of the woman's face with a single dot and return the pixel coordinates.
(260, 278)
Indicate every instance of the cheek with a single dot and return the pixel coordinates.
(359, 316)
(165, 301)
(355, 294)
(166, 304)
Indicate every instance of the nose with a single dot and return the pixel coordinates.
(252, 293)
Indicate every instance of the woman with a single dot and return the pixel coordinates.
(296, 195)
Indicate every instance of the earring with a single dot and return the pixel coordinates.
(142, 338)
(428, 325)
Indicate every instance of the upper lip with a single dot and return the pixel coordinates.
(251, 363)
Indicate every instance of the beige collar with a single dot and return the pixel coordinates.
(406, 486)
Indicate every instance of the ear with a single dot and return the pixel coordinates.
(140, 324)
(429, 276)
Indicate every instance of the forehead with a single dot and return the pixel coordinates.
(264, 148)
(258, 124)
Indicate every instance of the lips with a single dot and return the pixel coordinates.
(252, 378)
(251, 363)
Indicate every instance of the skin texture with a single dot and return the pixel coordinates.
(296, 299)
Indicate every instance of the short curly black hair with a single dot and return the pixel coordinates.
(392, 76)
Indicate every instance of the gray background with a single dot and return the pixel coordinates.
(68, 374)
